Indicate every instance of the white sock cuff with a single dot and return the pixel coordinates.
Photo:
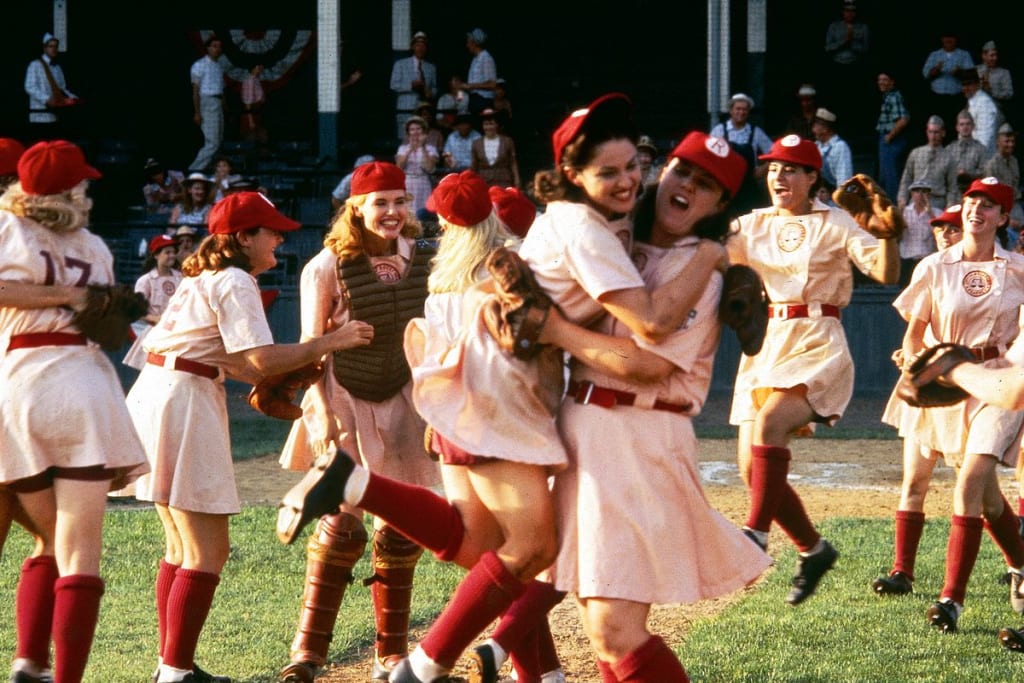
(356, 485)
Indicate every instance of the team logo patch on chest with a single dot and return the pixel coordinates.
(167, 287)
(977, 283)
(791, 236)
(387, 272)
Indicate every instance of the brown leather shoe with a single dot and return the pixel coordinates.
(297, 672)
(321, 491)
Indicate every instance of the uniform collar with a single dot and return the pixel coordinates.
(955, 253)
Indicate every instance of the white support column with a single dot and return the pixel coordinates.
(328, 67)
(60, 23)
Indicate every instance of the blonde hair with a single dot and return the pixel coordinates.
(348, 229)
(64, 212)
(458, 264)
(216, 252)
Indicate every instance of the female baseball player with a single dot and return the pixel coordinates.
(914, 426)
(971, 294)
(371, 268)
(213, 327)
(802, 250)
(60, 469)
(594, 184)
(627, 427)
(158, 281)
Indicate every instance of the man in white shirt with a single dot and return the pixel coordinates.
(483, 73)
(413, 78)
(987, 118)
(207, 76)
(46, 87)
(836, 157)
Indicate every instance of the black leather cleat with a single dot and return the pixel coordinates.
(749, 533)
(809, 573)
(896, 583)
(943, 616)
(1012, 638)
(319, 492)
(482, 667)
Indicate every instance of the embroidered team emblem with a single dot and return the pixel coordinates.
(168, 287)
(791, 236)
(387, 272)
(977, 283)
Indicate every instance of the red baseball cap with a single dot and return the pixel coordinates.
(461, 199)
(161, 241)
(994, 190)
(247, 210)
(794, 150)
(377, 176)
(951, 215)
(714, 156)
(570, 128)
(514, 208)
(10, 151)
(52, 167)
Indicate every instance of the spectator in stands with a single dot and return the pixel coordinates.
(344, 188)
(163, 188)
(646, 154)
(1003, 165)
(995, 80)
(968, 153)
(222, 176)
(196, 203)
(253, 99)
(455, 101)
(982, 108)
(893, 118)
(750, 142)
(931, 162)
(435, 136)
(458, 148)
(846, 69)
(413, 79)
(846, 39)
(483, 73)
(918, 239)
(502, 104)
(802, 121)
(836, 157)
(494, 154)
(943, 70)
(47, 91)
(186, 238)
(417, 160)
(207, 76)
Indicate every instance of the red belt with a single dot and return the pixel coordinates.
(183, 365)
(588, 392)
(790, 311)
(36, 339)
(985, 352)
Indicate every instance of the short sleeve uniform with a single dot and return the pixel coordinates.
(181, 417)
(977, 304)
(802, 260)
(157, 289)
(635, 474)
(386, 437)
(60, 406)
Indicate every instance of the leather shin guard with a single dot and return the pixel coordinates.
(334, 548)
(394, 564)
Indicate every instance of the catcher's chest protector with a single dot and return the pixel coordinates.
(379, 370)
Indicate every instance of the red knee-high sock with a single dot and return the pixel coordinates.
(793, 519)
(526, 658)
(605, 669)
(420, 514)
(33, 609)
(188, 604)
(484, 593)
(769, 466)
(76, 607)
(909, 527)
(525, 613)
(961, 553)
(164, 582)
(546, 649)
(652, 662)
(1005, 531)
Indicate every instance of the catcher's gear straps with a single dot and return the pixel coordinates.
(394, 564)
(379, 370)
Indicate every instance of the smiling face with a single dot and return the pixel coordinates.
(946, 235)
(686, 194)
(739, 112)
(789, 186)
(259, 246)
(197, 191)
(981, 216)
(167, 257)
(611, 178)
(384, 213)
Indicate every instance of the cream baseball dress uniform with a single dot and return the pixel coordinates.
(60, 406)
(158, 290)
(385, 437)
(488, 403)
(634, 523)
(182, 417)
(977, 304)
(803, 260)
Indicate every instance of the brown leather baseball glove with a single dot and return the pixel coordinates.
(870, 206)
(519, 309)
(274, 395)
(921, 384)
(108, 314)
(744, 307)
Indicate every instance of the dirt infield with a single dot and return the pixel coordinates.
(849, 478)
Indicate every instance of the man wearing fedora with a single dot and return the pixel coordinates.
(413, 79)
